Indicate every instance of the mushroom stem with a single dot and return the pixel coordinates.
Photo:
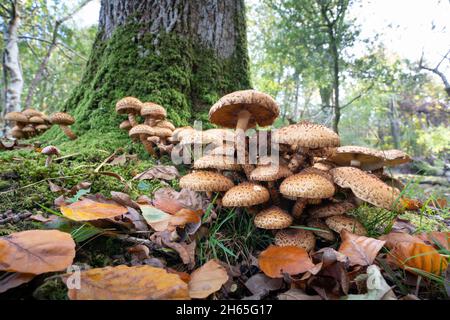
(244, 117)
(132, 119)
(69, 133)
(273, 193)
(147, 145)
(355, 163)
(48, 161)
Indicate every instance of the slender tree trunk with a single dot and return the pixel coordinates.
(11, 64)
(336, 84)
(395, 126)
(181, 54)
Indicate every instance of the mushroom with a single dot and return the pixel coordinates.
(296, 237)
(18, 118)
(131, 106)
(41, 127)
(125, 125)
(271, 173)
(367, 187)
(17, 132)
(341, 222)
(206, 181)
(362, 157)
(143, 131)
(64, 120)
(321, 229)
(49, 151)
(216, 162)
(29, 113)
(307, 185)
(152, 112)
(245, 194)
(28, 131)
(165, 124)
(36, 120)
(273, 218)
(299, 207)
(395, 157)
(332, 209)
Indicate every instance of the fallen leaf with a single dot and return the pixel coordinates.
(403, 225)
(411, 204)
(166, 204)
(207, 279)
(124, 199)
(136, 219)
(129, 283)
(297, 294)
(260, 284)
(87, 210)
(157, 219)
(397, 237)
(437, 239)
(186, 277)
(14, 279)
(274, 261)
(377, 287)
(119, 160)
(40, 218)
(158, 172)
(415, 255)
(55, 188)
(36, 251)
(185, 216)
(360, 250)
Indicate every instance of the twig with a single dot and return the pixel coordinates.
(135, 240)
(105, 161)
(67, 156)
(16, 217)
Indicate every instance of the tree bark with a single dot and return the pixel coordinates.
(181, 54)
(11, 63)
(395, 126)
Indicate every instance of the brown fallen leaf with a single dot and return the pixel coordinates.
(260, 284)
(411, 204)
(40, 218)
(437, 239)
(185, 216)
(403, 225)
(397, 237)
(36, 251)
(168, 205)
(14, 279)
(158, 172)
(124, 199)
(129, 283)
(55, 188)
(207, 279)
(360, 250)
(274, 261)
(87, 210)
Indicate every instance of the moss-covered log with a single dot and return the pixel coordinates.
(181, 54)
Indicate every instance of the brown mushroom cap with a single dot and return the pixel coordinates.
(179, 133)
(62, 118)
(367, 187)
(29, 113)
(206, 181)
(29, 129)
(307, 135)
(216, 162)
(332, 209)
(153, 110)
(307, 185)
(36, 119)
(165, 124)
(262, 107)
(125, 125)
(395, 157)
(296, 237)
(16, 132)
(270, 172)
(149, 131)
(195, 137)
(273, 218)
(41, 127)
(221, 135)
(128, 105)
(341, 222)
(16, 117)
(50, 150)
(324, 232)
(245, 194)
(363, 157)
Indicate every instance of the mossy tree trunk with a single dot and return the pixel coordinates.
(181, 54)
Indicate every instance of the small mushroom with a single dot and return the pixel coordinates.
(49, 151)
(28, 131)
(64, 120)
(130, 106)
(355, 156)
(29, 113)
(245, 194)
(144, 131)
(308, 185)
(152, 112)
(321, 229)
(18, 118)
(341, 222)
(273, 218)
(332, 209)
(216, 162)
(296, 237)
(271, 173)
(17, 132)
(206, 181)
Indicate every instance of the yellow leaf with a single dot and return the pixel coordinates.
(207, 279)
(87, 210)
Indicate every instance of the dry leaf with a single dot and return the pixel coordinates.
(207, 279)
(129, 283)
(296, 294)
(168, 205)
(274, 261)
(36, 251)
(157, 219)
(260, 284)
(87, 210)
(359, 249)
(416, 255)
(185, 216)
(411, 204)
(437, 239)
(397, 237)
(158, 172)
(14, 279)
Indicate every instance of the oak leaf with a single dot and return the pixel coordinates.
(359, 249)
(87, 210)
(14, 279)
(275, 260)
(207, 279)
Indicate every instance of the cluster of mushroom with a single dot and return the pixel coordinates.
(30, 123)
(311, 182)
(155, 129)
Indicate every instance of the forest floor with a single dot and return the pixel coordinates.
(31, 196)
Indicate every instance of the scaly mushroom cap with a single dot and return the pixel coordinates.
(153, 110)
(323, 165)
(307, 185)
(221, 135)
(324, 232)
(128, 105)
(29, 113)
(62, 118)
(216, 162)
(223, 150)
(299, 207)
(50, 150)
(245, 194)
(270, 172)
(149, 131)
(16, 117)
(179, 133)
(195, 137)
(41, 127)
(262, 107)
(29, 129)
(125, 125)
(36, 119)
(366, 158)
(367, 187)
(273, 218)
(341, 222)
(395, 157)
(165, 124)
(332, 209)
(307, 135)
(296, 237)
(206, 181)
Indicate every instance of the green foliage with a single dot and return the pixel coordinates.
(435, 139)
